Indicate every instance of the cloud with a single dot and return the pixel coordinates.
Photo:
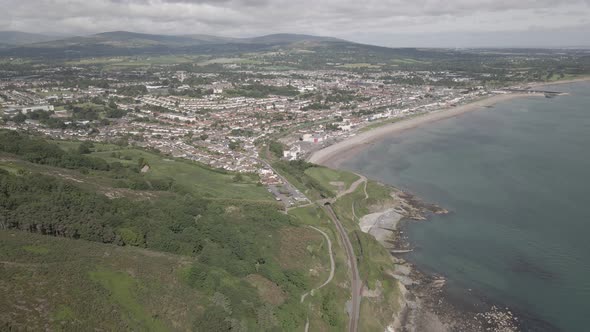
(340, 18)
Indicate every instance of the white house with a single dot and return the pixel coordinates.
(313, 138)
(293, 153)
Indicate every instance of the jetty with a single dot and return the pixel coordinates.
(547, 93)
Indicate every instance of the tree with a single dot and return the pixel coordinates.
(238, 178)
(131, 237)
(276, 148)
(19, 118)
(141, 162)
(234, 145)
(85, 147)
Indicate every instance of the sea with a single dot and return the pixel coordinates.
(516, 179)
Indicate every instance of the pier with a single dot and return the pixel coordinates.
(547, 93)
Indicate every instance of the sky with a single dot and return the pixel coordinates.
(396, 23)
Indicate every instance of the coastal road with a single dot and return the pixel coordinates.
(355, 279)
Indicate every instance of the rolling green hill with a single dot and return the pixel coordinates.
(89, 241)
(170, 249)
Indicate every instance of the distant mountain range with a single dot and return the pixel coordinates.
(131, 43)
(8, 38)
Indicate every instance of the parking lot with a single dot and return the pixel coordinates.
(287, 194)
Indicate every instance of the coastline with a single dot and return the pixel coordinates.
(426, 302)
(573, 80)
(333, 155)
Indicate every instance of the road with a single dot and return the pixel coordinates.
(291, 197)
(355, 284)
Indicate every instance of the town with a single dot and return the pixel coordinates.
(226, 121)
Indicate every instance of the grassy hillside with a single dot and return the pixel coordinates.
(332, 179)
(56, 283)
(382, 295)
(176, 248)
(89, 240)
(374, 261)
(192, 177)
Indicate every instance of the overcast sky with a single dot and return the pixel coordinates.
(436, 23)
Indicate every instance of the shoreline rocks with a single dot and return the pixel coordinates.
(425, 303)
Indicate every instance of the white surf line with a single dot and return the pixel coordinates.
(332, 264)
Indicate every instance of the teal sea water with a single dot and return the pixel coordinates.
(516, 178)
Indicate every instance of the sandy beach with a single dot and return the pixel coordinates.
(573, 80)
(333, 155)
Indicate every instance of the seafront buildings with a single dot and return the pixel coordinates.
(226, 123)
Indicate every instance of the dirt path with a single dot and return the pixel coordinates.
(366, 197)
(330, 277)
(355, 279)
(332, 264)
(353, 186)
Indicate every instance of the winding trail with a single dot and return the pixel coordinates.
(353, 186)
(330, 277)
(366, 197)
(332, 264)
(355, 279)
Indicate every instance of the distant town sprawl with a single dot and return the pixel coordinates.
(226, 121)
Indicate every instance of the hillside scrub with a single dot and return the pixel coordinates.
(229, 240)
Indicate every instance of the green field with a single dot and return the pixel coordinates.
(359, 66)
(195, 178)
(136, 61)
(332, 179)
